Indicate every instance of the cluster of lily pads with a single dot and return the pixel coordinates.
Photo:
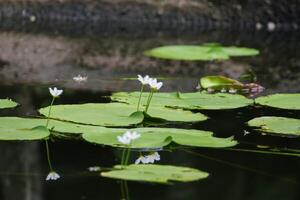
(125, 125)
(128, 122)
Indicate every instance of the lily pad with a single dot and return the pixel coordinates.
(155, 173)
(20, 124)
(189, 101)
(283, 101)
(195, 52)
(280, 126)
(220, 82)
(160, 137)
(10, 130)
(7, 103)
(116, 114)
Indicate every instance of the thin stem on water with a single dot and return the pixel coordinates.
(123, 156)
(149, 100)
(142, 89)
(49, 112)
(48, 155)
(127, 156)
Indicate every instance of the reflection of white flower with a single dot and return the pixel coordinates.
(52, 176)
(55, 92)
(80, 78)
(94, 169)
(144, 80)
(151, 158)
(128, 136)
(154, 84)
(223, 90)
(232, 91)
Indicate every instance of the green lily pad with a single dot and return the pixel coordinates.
(195, 52)
(283, 101)
(155, 173)
(10, 130)
(220, 82)
(189, 101)
(159, 137)
(17, 123)
(7, 103)
(280, 126)
(117, 114)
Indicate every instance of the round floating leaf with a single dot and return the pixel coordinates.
(14, 129)
(155, 173)
(283, 101)
(192, 101)
(7, 103)
(16, 123)
(194, 52)
(116, 114)
(281, 126)
(159, 137)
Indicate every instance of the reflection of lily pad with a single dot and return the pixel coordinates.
(195, 52)
(12, 130)
(6, 103)
(116, 114)
(159, 137)
(195, 100)
(284, 101)
(155, 173)
(280, 126)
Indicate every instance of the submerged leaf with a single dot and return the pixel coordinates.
(283, 101)
(7, 103)
(279, 126)
(189, 101)
(155, 173)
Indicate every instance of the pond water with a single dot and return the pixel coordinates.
(259, 167)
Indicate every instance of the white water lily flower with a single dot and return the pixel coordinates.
(144, 80)
(154, 84)
(151, 158)
(128, 136)
(52, 176)
(80, 78)
(55, 92)
(223, 90)
(94, 169)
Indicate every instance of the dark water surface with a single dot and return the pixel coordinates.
(234, 174)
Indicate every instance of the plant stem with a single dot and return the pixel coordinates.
(127, 156)
(49, 112)
(123, 156)
(142, 89)
(149, 100)
(48, 155)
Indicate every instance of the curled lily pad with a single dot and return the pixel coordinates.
(189, 101)
(219, 82)
(159, 137)
(117, 114)
(155, 173)
(283, 101)
(7, 103)
(11, 129)
(196, 52)
(280, 126)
